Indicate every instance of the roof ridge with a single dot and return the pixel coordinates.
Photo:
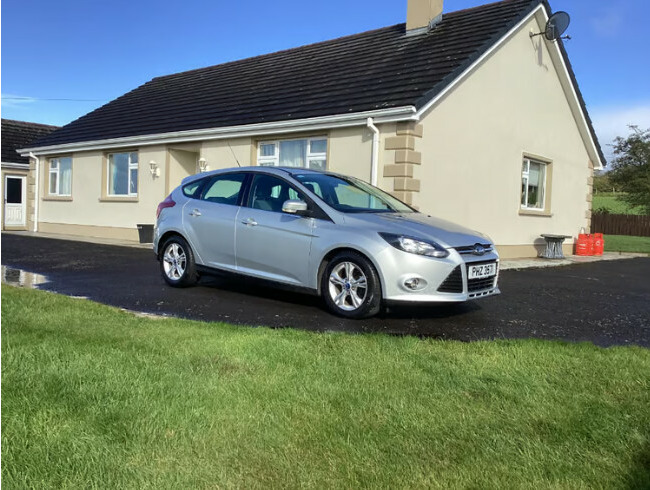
(485, 5)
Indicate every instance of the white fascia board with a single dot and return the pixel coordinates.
(575, 104)
(261, 129)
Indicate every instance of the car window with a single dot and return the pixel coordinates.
(224, 189)
(351, 195)
(314, 187)
(269, 193)
(193, 188)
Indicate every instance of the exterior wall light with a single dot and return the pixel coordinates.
(154, 169)
(203, 165)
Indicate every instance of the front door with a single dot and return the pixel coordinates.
(15, 201)
(272, 244)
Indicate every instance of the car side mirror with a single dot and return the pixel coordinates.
(295, 206)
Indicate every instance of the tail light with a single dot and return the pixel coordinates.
(167, 203)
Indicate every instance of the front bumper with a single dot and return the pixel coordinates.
(439, 280)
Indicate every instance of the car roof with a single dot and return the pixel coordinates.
(257, 169)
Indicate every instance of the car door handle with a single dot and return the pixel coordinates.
(195, 212)
(250, 222)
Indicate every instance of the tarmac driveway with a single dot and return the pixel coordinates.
(607, 303)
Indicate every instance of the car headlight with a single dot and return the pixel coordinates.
(415, 245)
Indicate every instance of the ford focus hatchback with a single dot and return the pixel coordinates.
(335, 236)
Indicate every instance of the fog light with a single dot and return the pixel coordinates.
(415, 284)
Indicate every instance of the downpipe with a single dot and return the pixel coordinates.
(375, 151)
(37, 179)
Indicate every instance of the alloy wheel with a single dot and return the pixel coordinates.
(348, 286)
(174, 261)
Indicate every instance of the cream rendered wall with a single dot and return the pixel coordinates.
(350, 151)
(88, 208)
(182, 163)
(475, 138)
(218, 154)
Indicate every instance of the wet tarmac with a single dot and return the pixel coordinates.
(607, 303)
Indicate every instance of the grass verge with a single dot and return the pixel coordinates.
(622, 243)
(95, 397)
(613, 203)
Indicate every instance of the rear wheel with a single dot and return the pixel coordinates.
(177, 263)
(350, 286)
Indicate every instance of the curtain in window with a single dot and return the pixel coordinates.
(65, 176)
(292, 153)
(535, 185)
(118, 174)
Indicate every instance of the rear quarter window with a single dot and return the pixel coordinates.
(192, 189)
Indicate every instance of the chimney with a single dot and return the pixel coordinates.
(421, 15)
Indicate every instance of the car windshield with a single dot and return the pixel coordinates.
(350, 195)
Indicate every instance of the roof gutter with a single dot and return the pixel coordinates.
(36, 190)
(396, 114)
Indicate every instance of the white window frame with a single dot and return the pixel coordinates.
(274, 160)
(525, 175)
(131, 166)
(57, 172)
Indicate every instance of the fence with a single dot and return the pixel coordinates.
(620, 224)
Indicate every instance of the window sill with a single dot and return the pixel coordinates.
(531, 212)
(119, 199)
(57, 198)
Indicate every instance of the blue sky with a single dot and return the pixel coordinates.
(97, 51)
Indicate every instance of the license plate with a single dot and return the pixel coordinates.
(481, 271)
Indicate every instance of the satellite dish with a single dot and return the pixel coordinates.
(557, 25)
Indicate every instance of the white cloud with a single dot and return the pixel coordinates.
(13, 101)
(610, 122)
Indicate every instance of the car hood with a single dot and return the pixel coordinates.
(419, 225)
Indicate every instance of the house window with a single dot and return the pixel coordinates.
(123, 174)
(60, 176)
(308, 153)
(533, 184)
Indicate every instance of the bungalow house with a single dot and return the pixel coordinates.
(463, 114)
(17, 184)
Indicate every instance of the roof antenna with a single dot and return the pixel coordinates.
(557, 24)
(233, 153)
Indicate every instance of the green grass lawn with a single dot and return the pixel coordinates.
(94, 397)
(613, 203)
(621, 243)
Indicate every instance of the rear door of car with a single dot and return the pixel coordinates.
(209, 220)
(269, 243)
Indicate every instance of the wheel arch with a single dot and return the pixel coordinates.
(163, 239)
(342, 249)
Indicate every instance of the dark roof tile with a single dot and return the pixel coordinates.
(19, 134)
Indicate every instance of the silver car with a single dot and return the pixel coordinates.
(333, 235)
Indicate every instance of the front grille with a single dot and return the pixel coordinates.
(480, 284)
(453, 283)
(469, 249)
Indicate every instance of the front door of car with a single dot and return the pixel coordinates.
(209, 221)
(272, 244)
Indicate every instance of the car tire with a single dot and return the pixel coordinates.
(177, 263)
(350, 286)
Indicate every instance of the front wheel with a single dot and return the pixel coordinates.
(177, 263)
(350, 286)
